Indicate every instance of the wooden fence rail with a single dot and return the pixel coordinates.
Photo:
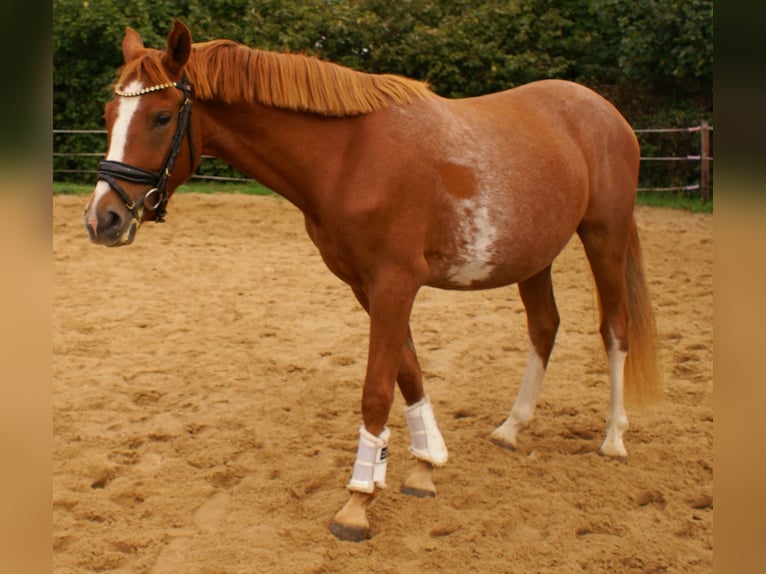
(704, 158)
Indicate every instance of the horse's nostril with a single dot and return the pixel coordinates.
(112, 220)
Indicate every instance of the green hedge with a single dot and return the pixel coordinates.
(654, 60)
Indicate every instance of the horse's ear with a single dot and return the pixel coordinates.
(131, 43)
(179, 47)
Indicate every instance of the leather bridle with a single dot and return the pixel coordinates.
(156, 198)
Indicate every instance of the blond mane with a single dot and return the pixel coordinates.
(230, 72)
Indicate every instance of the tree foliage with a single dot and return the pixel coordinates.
(652, 58)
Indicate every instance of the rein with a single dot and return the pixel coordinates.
(156, 198)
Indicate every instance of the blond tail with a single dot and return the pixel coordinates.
(643, 380)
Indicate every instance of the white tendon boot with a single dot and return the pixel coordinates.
(371, 460)
(427, 442)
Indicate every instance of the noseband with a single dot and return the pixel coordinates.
(156, 198)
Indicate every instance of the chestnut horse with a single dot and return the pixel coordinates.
(400, 188)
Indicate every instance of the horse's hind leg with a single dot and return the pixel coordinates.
(542, 323)
(605, 247)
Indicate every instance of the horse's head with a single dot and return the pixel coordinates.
(151, 146)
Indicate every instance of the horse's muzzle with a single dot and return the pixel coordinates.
(113, 227)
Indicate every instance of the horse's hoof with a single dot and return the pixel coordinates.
(613, 449)
(417, 492)
(420, 481)
(349, 533)
(503, 443)
(622, 459)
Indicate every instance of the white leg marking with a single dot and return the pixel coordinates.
(617, 419)
(126, 109)
(524, 407)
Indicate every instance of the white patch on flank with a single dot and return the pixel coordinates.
(126, 109)
(478, 217)
(477, 234)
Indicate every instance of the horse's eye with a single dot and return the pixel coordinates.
(162, 119)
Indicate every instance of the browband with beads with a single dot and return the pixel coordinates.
(148, 90)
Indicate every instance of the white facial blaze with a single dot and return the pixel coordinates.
(126, 109)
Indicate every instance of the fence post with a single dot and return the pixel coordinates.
(705, 160)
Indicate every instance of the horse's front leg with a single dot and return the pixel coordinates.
(389, 302)
(426, 442)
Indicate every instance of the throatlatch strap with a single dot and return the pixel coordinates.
(371, 461)
(427, 442)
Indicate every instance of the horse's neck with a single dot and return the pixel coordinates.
(293, 154)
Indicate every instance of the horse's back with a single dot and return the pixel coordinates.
(574, 121)
(562, 142)
(558, 110)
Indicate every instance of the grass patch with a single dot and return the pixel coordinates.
(71, 188)
(674, 201)
(652, 199)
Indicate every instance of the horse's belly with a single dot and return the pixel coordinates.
(475, 273)
(491, 246)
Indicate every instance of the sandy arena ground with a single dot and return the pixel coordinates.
(206, 401)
